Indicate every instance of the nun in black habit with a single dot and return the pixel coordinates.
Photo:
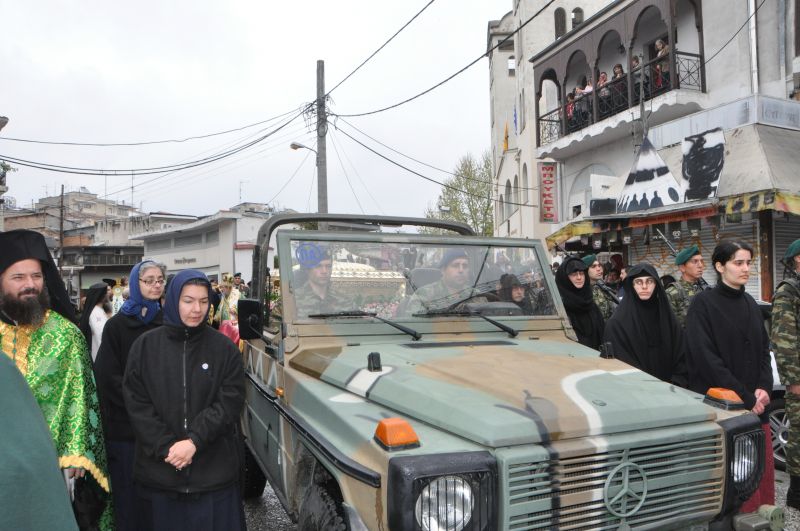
(643, 331)
(576, 293)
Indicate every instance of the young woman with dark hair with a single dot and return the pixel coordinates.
(727, 345)
(576, 293)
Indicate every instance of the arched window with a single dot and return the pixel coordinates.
(509, 200)
(512, 66)
(525, 183)
(561, 22)
(516, 192)
(577, 17)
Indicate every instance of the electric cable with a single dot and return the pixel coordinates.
(146, 143)
(735, 34)
(459, 72)
(311, 189)
(144, 171)
(302, 162)
(382, 46)
(347, 178)
(355, 170)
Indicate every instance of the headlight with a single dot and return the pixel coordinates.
(443, 492)
(746, 453)
(445, 504)
(745, 458)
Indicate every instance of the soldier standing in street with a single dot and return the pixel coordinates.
(681, 292)
(603, 296)
(785, 337)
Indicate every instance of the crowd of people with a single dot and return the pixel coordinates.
(697, 336)
(138, 409)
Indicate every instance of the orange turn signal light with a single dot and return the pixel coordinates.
(396, 434)
(279, 391)
(720, 393)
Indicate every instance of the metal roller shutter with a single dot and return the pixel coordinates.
(787, 229)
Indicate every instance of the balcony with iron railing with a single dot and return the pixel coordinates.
(619, 95)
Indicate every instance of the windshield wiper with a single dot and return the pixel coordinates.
(439, 313)
(358, 313)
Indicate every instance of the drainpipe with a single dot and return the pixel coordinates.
(751, 12)
(782, 39)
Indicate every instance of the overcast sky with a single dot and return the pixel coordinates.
(110, 72)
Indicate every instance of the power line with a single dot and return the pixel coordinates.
(382, 46)
(347, 177)
(302, 162)
(737, 32)
(147, 143)
(431, 179)
(459, 72)
(311, 188)
(355, 170)
(144, 171)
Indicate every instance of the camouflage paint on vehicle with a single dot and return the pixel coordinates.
(577, 441)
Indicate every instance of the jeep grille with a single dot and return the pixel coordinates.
(684, 481)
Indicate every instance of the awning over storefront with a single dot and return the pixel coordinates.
(759, 173)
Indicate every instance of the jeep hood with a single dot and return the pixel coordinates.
(501, 394)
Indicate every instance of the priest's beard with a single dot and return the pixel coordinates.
(27, 311)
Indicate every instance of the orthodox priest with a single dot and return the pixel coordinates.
(37, 332)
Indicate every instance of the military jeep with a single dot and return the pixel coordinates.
(393, 383)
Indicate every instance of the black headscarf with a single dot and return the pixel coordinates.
(507, 284)
(17, 245)
(646, 334)
(95, 294)
(585, 316)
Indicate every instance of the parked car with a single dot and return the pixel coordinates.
(389, 387)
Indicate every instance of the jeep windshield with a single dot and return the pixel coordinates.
(403, 280)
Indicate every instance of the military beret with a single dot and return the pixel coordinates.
(793, 250)
(589, 259)
(451, 254)
(683, 256)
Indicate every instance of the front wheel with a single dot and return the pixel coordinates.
(779, 429)
(320, 511)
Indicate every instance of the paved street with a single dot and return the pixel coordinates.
(267, 514)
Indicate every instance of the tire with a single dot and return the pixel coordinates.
(320, 512)
(779, 429)
(253, 479)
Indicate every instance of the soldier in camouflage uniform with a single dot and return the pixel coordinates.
(315, 295)
(785, 337)
(451, 290)
(681, 292)
(602, 295)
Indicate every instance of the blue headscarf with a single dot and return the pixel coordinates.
(171, 313)
(133, 306)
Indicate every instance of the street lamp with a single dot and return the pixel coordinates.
(322, 175)
(298, 145)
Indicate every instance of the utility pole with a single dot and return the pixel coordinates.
(61, 231)
(3, 186)
(322, 130)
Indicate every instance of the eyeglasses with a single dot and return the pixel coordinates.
(151, 281)
(642, 282)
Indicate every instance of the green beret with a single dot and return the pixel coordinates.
(793, 250)
(683, 256)
(589, 259)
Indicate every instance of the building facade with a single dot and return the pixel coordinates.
(619, 165)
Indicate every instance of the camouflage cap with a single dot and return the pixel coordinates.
(589, 259)
(683, 256)
(793, 250)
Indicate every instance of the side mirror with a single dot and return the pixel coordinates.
(251, 320)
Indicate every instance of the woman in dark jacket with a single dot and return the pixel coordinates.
(184, 391)
(727, 346)
(576, 293)
(140, 313)
(643, 331)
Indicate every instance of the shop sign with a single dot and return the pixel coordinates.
(548, 193)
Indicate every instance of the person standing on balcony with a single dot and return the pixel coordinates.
(681, 292)
(662, 67)
(785, 335)
(602, 295)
